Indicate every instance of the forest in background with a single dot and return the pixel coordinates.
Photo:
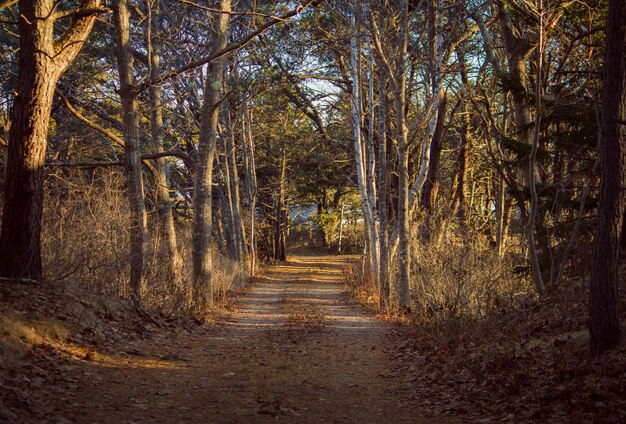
(158, 155)
(155, 149)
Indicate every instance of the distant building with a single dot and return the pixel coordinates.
(299, 214)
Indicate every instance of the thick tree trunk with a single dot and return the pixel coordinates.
(132, 163)
(201, 255)
(518, 50)
(42, 61)
(604, 326)
(20, 246)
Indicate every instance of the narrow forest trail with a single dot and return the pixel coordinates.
(294, 350)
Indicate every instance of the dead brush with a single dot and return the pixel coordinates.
(359, 281)
(85, 235)
(85, 242)
(453, 284)
(456, 283)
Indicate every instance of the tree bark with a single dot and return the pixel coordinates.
(383, 181)
(404, 252)
(280, 241)
(251, 183)
(201, 254)
(172, 259)
(231, 161)
(42, 60)
(429, 192)
(604, 326)
(132, 161)
(361, 151)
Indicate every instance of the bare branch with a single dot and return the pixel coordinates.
(229, 48)
(81, 12)
(113, 137)
(228, 12)
(7, 3)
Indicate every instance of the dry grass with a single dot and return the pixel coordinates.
(452, 284)
(85, 242)
(457, 283)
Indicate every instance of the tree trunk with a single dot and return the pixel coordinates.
(201, 255)
(404, 253)
(224, 205)
(225, 198)
(42, 60)
(132, 162)
(280, 242)
(341, 210)
(231, 161)
(532, 164)
(361, 151)
(436, 63)
(463, 159)
(431, 185)
(172, 259)
(604, 326)
(383, 238)
(370, 172)
(251, 183)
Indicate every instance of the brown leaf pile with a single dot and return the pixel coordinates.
(531, 365)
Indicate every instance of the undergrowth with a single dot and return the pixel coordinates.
(480, 343)
(85, 242)
(451, 284)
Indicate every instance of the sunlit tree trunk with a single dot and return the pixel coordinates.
(172, 259)
(340, 241)
(42, 60)
(436, 58)
(251, 183)
(431, 185)
(130, 128)
(404, 253)
(361, 150)
(280, 244)
(371, 171)
(201, 255)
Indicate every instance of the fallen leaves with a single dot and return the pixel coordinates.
(520, 368)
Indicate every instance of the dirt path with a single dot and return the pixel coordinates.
(294, 351)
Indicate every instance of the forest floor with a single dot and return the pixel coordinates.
(294, 349)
